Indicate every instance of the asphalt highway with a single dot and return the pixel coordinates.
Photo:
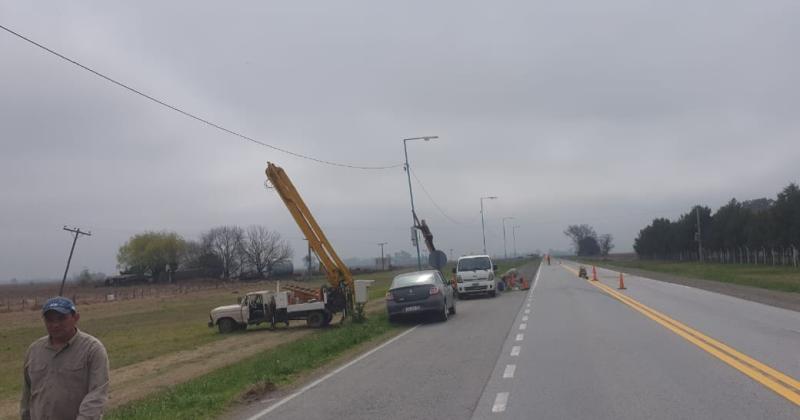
(572, 349)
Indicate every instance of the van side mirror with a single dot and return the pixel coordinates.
(494, 267)
(239, 300)
(454, 270)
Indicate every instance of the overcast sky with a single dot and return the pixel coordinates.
(608, 113)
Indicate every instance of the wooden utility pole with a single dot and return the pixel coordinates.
(77, 232)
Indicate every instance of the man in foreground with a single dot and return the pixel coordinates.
(66, 371)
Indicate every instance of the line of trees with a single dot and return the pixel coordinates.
(226, 252)
(761, 231)
(586, 242)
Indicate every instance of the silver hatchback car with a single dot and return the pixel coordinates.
(420, 292)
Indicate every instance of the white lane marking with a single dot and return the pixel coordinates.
(528, 305)
(520, 337)
(302, 390)
(523, 326)
(509, 372)
(500, 402)
(525, 317)
(515, 350)
(527, 311)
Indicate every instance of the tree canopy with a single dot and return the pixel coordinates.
(149, 253)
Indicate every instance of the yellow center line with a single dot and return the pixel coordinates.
(778, 382)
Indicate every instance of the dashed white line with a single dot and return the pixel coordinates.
(523, 326)
(515, 350)
(509, 372)
(500, 402)
(525, 317)
(527, 311)
(520, 337)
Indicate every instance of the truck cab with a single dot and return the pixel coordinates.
(475, 275)
(252, 309)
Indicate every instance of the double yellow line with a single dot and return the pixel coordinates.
(778, 382)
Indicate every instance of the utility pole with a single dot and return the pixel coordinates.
(411, 194)
(77, 232)
(699, 236)
(514, 235)
(483, 224)
(381, 244)
(505, 250)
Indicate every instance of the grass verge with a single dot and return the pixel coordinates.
(209, 395)
(785, 279)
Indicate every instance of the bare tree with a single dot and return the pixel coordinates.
(226, 242)
(263, 248)
(606, 244)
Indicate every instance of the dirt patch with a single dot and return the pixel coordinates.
(785, 300)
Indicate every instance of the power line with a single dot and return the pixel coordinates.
(432, 200)
(193, 116)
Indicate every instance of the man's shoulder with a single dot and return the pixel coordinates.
(89, 339)
(39, 343)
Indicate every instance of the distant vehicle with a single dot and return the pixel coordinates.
(420, 292)
(475, 275)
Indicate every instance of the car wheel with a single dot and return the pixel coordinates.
(392, 319)
(226, 325)
(443, 314)
(315, 319)
(453, 308)
(492, 293)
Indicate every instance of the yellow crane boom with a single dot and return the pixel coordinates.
(338, 274)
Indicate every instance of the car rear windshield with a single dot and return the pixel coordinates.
(411, 280)
(477, 263)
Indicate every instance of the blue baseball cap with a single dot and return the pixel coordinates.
(59, 304)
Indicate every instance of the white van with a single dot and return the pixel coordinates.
(475, 275)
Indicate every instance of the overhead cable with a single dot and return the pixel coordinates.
(193, 116)
(434, 201)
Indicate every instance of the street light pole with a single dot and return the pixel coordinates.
(505, 250)
(411, 193)
(381, 244)
(483, 224)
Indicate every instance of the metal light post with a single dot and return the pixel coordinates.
(411, 193)
(505, 250)
(483, 224)
(514, 236)
(381, 244)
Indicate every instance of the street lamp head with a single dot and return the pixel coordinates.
(493, 197)
(426, 138)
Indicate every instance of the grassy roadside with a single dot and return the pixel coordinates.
(784, 279)
(209, 395)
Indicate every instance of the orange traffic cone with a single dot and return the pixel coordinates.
(621, 282)
(594, 273)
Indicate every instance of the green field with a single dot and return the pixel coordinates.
(786, 279)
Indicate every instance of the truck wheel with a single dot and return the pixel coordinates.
(226, 325)
(492, 293)
(315, 319)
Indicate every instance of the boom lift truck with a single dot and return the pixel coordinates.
(294, 302)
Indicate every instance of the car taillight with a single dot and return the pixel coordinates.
(434, 291)
(389, 296)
